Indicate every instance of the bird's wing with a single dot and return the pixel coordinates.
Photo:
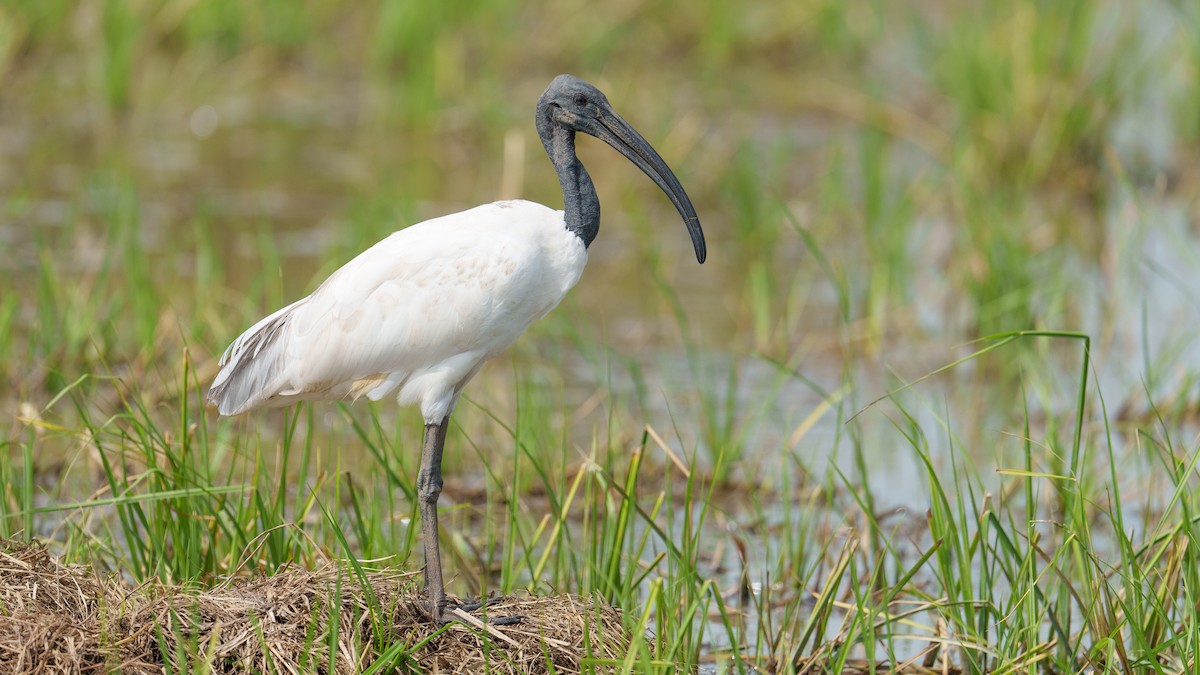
(444, 294)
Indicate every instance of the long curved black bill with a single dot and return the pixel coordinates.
(615, 131)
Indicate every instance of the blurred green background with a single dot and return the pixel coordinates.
(880, 183)
(978, 148)
(962, 165)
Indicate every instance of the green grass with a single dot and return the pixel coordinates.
(882, 188)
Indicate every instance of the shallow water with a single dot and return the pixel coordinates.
(296, 161)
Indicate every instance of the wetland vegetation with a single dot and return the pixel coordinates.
(931, 404)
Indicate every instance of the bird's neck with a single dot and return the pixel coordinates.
(581, 206)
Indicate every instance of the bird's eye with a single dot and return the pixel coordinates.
(580, 100)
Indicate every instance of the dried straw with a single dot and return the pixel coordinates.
(63, 619)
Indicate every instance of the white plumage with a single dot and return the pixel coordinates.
(417, 314)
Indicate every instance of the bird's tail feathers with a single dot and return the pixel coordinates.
(251, 366)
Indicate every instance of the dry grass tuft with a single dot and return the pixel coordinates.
(58, 618)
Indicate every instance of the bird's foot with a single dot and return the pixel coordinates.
(447, 614)
(475, 605)
(472, 605)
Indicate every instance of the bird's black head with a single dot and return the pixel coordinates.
(569, 101)
(569, 105)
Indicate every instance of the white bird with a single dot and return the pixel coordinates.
(419, 313)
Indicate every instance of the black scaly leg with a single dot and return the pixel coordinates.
(429, 488)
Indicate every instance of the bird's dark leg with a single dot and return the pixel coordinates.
(429, 488)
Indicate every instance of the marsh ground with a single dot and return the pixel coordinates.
(887, 189)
